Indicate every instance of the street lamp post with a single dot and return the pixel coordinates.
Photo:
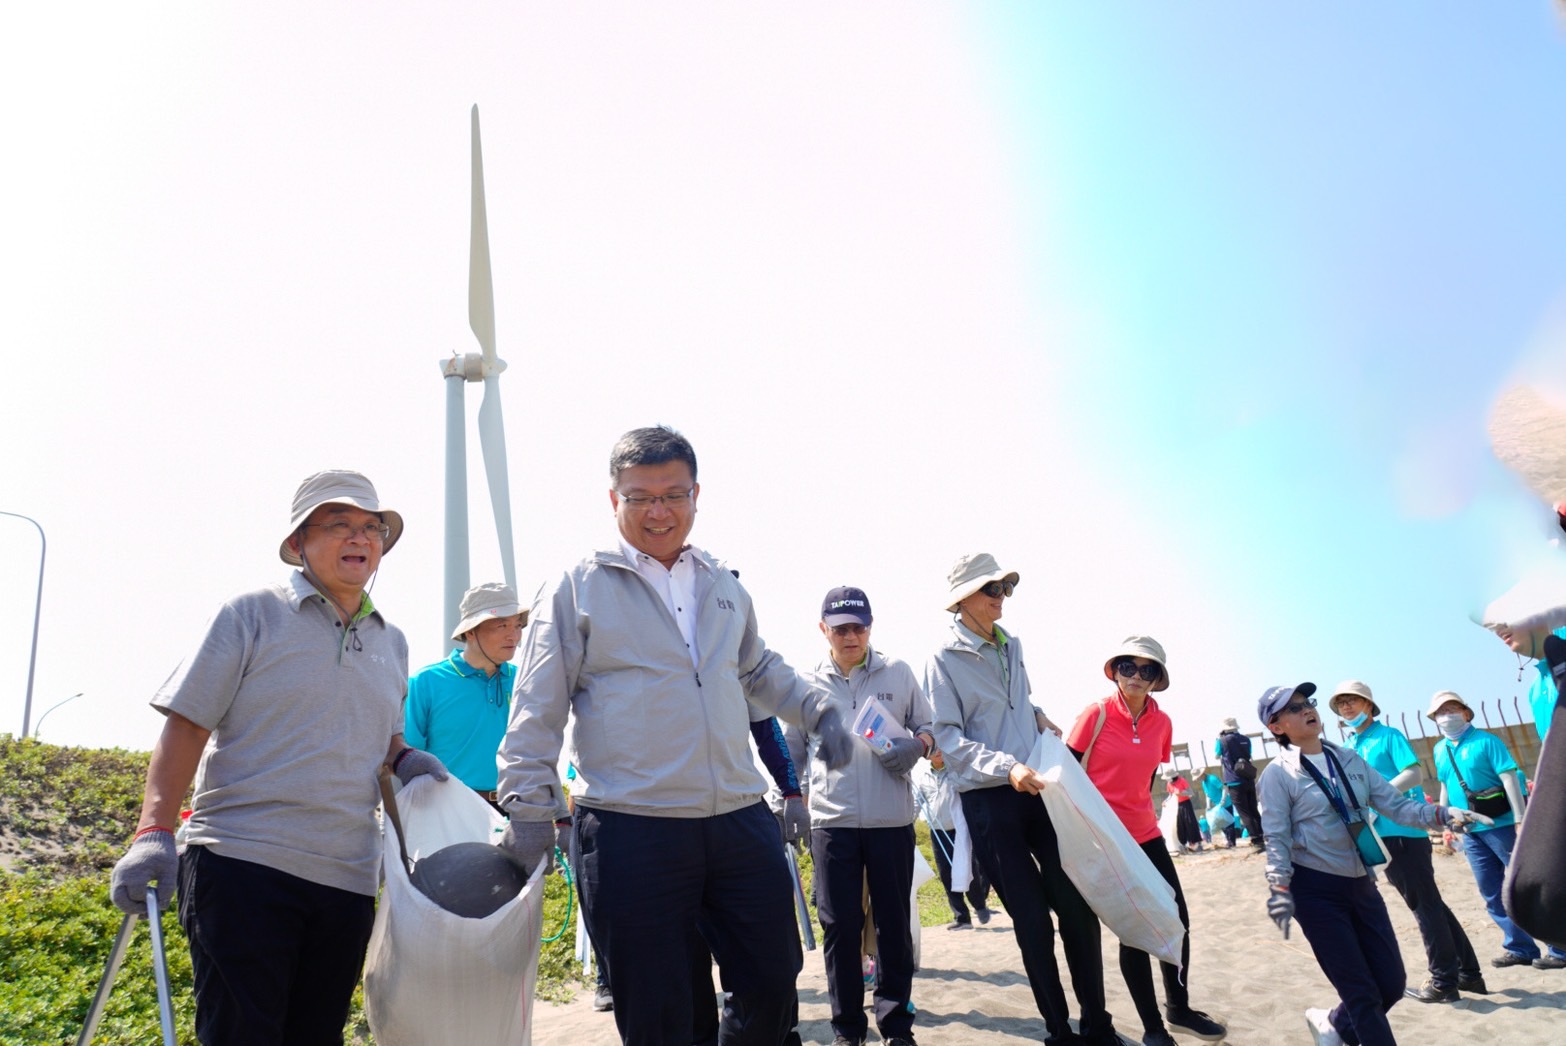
(32, 658)
(39, 728)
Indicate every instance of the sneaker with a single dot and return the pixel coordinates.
(1474, 984)
(1195, 1022)
(844, 1040)
(1506, 959)
(1158, 1038)
(899, 1041)
(603, 1000)
(984, 916)
(960, 924)
(1320, 1024)
(1428, 992)
(1549, 962)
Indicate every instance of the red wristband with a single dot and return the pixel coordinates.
(152, 828)
(399, 758)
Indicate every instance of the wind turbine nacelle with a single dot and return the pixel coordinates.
(470, 366)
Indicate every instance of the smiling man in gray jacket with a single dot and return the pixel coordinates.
(651, 649)
(861, 818)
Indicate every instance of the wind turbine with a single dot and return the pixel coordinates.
(457, 371)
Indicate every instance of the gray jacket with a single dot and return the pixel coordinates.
(653, 734)
(1302, 827)
(983, 724)
(863, 794)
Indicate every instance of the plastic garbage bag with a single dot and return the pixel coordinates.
(1108, 868)
(432, 978)
(1169, 824)
(922, 873)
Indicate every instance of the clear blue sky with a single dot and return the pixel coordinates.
(1192, 315)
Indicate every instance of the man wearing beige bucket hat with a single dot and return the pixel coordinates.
(291, 704)
(458, 706)
(985, 729)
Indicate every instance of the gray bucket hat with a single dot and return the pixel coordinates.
(1442, 697)
(337, 487)
(482, 602)
(1143, 647)
(1353, 688)
(971, 573)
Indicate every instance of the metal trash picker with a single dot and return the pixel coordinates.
(801, 909)
(160, 969)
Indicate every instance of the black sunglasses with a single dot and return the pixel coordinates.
(996, 589)
(1149, 672)
(1295, 707)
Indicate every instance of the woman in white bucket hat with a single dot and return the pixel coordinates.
(985, 728)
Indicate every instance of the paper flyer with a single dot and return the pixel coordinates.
(875, 727)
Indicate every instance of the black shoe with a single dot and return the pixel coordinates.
(1195, 1022)
(1474, 984)
(1506, 959)
(1428, 992)
(844, 1040)
(960, 924)
(899, 1041)
(603, 1000)
(1549, 962)
(984, 916)
(1158, 1038)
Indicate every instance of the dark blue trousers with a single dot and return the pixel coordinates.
(646, 883)
(1346, 923)
(1447, 949)
(275, 957)
(845, 860)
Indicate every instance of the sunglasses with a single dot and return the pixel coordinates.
(848, 630)
(1128, 668)
(997, 589)
(1295, 707)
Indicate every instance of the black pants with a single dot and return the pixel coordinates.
(1346, 923)
(1018, 840)
(1136, 966)
(1244, 796)
(1447, 950)
(275, 958)
(1187, 829)
(846, 859)
(648, 881)
(978, 885)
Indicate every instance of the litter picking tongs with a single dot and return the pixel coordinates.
(160, 969)
(801, 909)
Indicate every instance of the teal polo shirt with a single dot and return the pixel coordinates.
(1541, 697)
(458, 714)
(1386, 751)
(1481, 758)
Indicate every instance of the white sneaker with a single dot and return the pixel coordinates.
(1320, 1024)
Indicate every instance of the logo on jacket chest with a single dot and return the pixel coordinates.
(725, 604)
(886, 698)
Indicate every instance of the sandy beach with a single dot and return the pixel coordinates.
(971, 992)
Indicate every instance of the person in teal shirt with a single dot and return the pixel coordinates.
(1529, 643)
(1448, 953)
(458, 707)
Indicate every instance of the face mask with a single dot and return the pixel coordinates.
(1452, 724)
(1357, 722)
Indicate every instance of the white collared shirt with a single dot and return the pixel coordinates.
(677, 586)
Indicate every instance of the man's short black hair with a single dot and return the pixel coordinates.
(650, 446)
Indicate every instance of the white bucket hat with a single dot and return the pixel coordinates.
(1144, 647)
(1442, 697)
(971, 573)
(1229, 723)
(482, 602)
(1353, 688)
(337, 487)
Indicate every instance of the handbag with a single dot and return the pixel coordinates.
(1491, 802)
(1372, 851)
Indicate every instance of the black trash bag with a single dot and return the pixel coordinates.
(1535, 887)
(472, 880)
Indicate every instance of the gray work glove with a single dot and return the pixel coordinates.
(1280, 908)
(1460, 820)
(412, 762)
(530, 842)
(150, 859)
(835, 745)
(900, 754)
(796, 820)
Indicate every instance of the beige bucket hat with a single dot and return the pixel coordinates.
(1442, 697)
(337, 487)
(971, 573)
(1140, 646)
(482, 602)
(1353, 688)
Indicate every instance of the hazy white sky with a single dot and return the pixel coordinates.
(1193, 320)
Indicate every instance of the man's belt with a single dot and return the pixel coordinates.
(491, 795)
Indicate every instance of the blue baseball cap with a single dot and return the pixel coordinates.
(1277, 697)
(845, 605)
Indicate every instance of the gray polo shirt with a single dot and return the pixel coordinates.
(301, 715)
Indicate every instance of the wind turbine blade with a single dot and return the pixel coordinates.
(456, 579)
(481, 288)
(492, 437)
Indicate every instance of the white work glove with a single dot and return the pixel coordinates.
(835, 745)
(900, 755)
(796, 820)
(411, 763)
(150, 859)
(1280, 908)
(530, 842)
(1461, 819)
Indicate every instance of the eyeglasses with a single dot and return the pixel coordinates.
(342, 530)
(1149, 672)
(996, 589)
(1295, 707)
(641, 502)
(848, 630)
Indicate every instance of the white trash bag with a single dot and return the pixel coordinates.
(922, 873)
(432, 978)
(1108, 868)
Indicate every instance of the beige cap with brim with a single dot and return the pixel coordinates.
(337, 487)
(1442, 697)
(1353, 688)
(1143, 647)
(971, 573)
(484, 602)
